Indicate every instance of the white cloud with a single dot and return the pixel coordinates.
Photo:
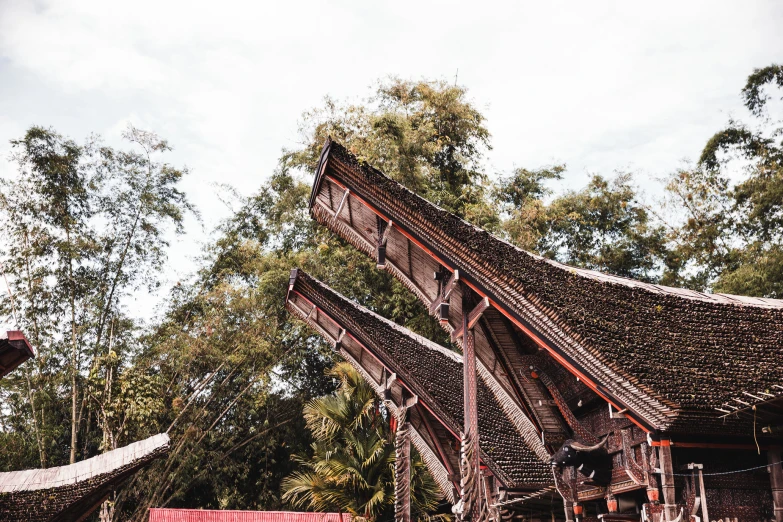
(598, 85)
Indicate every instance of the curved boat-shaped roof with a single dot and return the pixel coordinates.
(509, 445)
(69, 493)
(666, 356)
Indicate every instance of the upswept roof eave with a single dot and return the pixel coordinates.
(69, 493)
(86, 470)
(431, 402)
(331, 147)
(319, 170)
(433, 462)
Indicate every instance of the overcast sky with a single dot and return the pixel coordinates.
(597, 85)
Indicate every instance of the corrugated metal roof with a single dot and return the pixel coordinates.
(203, 515)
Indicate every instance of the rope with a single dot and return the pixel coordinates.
(729, 472)
(755, 439)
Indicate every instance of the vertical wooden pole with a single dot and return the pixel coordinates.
(470, 471)
(776, 481)
(402, 469)
(705, 514)
(667, 479)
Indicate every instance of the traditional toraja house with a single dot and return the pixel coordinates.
(206, 515)
(422, 387)
(71, 493)
(66, 493)
(663, 395)
(14, 350)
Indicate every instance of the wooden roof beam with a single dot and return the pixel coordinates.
(473, 318)
(342, 203)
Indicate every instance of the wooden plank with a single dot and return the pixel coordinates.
(342, 202)
(436, 441)
(667, 480)
(447, 288)
(776, 481)
(471, 472)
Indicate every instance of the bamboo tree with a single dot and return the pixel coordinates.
(74, 254)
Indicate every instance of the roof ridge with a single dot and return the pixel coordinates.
(685, 293)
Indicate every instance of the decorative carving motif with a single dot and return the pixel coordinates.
(678, 519)
(649, 464)
(565, 483)
(402, 469)
(468, 483)
(690, 495)
(634, 470)
(579, 430)
(592, 461)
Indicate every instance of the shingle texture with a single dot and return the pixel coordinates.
(435, 375)
(672, 354)
(66, 493)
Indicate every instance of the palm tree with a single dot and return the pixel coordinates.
(352, 465)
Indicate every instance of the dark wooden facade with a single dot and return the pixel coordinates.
(662, 377)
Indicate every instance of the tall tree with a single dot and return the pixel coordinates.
(428, 136)
(85, 225)
(732, 237)
(603, 226)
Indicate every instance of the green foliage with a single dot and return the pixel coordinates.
(351, 468)
(426, 135)
(86, 226)
(603, 226)
(732, 237)
(753, 93)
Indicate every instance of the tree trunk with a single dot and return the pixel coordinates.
(37, 341)
(74, 366)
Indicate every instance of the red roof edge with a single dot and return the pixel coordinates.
(17, 335)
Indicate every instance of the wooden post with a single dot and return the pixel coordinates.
(568, 507)
(402, 468)
(776, 481)
(667, 480)
(469, 459)
(703, 494)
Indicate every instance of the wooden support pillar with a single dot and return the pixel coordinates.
(776, 481)
(703, 493)
(402, 469)
(568, 508)
(667, 480)
(469, 459)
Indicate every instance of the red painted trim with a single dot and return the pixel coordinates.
(590, 384)
(707, 445)
(423, 403)
(17, 335)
